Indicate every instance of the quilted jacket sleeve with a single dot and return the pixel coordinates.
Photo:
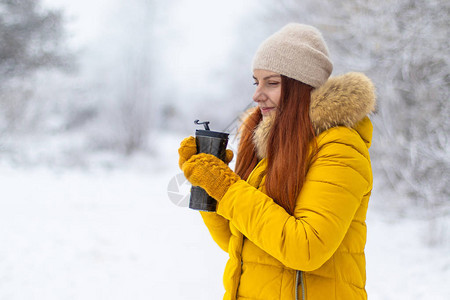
(218, 227)
(335, 185)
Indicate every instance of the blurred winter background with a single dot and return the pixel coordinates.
(95, 96)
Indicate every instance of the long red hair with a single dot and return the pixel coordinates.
(288, 146)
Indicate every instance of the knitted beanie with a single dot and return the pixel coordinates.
(297, 51)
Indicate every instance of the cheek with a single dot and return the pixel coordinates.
(276, 96)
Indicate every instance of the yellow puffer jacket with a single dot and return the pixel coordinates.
(319, 252)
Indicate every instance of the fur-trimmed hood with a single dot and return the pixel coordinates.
(343, 100)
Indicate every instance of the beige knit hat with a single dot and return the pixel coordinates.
(297, 51)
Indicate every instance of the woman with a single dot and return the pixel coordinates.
(292, 216)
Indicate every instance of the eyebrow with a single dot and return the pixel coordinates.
(267, 77)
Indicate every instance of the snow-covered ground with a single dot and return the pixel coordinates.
(99, 234)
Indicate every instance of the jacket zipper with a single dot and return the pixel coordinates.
(238, 279)
(299, 275)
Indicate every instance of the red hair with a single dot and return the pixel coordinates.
(246, 158)
(288, 144)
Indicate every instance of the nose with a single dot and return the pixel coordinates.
(259, 96)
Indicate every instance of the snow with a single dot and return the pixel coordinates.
(399, 265)
(114, 234)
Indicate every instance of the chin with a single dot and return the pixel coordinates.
(269, 115)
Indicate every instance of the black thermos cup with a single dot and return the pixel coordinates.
(211, 142)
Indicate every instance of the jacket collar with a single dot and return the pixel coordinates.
(342, 101)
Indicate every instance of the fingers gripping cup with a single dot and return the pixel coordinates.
(211, 142)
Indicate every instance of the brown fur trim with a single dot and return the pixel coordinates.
(343, 100)
(261, 135)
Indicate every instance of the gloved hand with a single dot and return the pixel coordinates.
(188, 148)
(210, 173)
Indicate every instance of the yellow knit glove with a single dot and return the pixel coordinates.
(188, 147)
(209, 173)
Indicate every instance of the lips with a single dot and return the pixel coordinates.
(265, 110)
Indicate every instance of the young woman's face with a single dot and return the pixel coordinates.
(268, 90)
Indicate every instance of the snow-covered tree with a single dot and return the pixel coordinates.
(31, 39)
